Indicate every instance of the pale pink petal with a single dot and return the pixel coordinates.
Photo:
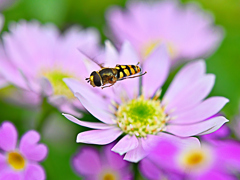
(47, 89)
(8, 136)
(113, 159)
(126, 89)
(128, 55)
(136, 154)
(186, 76)
(91, 100)
(127, 143)
(69, 107)
(111, 55)
(204, 110)
(87, 161)
(157, 66)
(150, 142)
(30, 148)
(100, 137)
(3, 82)
(34, 172)
(95, 110)
(200, 128)
(192, 95)
(90, 60)
(87, 124)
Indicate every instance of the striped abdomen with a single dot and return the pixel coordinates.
(127, 70)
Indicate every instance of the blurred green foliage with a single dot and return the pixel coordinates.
(224, 63)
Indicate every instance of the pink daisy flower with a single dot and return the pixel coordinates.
(144, 119)
(219, 160)
(39, 58)
(20, 161)
(187, 31)
(91, 164)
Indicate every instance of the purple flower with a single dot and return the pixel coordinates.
(144, 119)
(91, 164)
(187, 32)
(20, 161)
(39, 58)
(211, 161)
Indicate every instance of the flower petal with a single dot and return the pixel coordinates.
(128, 55)
(204, 110)
(87, 96)
(9, 175)
(87, 161)
(30, 148)
(150, 170)
(136, 154)
(127, 143)
(8, 136)
(179, 141)
(87, 124)
(200, 128)
(228, 152)
(46, 86)
(192, 95)
(113, 159)
(34, 172)
(157, 66)
(100, 137)
(111, 55)
(188, 74)
(3, 162)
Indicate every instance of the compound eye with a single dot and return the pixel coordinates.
(96, 79)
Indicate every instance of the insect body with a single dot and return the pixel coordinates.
(112, 75)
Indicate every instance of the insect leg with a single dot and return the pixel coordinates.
(107, 86)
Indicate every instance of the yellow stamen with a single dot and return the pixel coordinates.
(141, 117)
(195, 159)
(149, 47)
(109, 175)
(16, 161)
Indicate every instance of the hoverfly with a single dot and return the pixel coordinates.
(112, 75)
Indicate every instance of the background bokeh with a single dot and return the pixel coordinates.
(58, 133)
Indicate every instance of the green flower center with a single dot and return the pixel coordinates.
(16, 160)
(140, 117)
(56, 79)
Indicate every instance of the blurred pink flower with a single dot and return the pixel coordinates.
(20, 161)
(187, 31)
(91, 164)
(38, 58)
(4, 4)
(3, 82)
(211, 161)
(144, 119)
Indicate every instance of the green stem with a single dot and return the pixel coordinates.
(46, 111)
